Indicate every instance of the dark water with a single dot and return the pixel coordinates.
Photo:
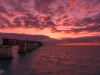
(54, 60)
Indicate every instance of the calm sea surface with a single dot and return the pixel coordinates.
(54, 60)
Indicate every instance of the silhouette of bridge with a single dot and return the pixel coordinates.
(23, 46)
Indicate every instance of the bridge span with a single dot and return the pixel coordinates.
(23, 46)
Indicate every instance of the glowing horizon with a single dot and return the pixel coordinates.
(48, 32)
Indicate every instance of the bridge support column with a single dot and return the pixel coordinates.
(6, 52)
(21, 49)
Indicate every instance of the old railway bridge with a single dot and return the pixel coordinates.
(23, 46)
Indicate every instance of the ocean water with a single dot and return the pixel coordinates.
(54, 60)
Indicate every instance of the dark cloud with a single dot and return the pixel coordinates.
(96, 2)
(61, 10)
(30, 20)
(17, 21)
(95, 28)
(11, 3)
(48, 18)
(65, 16)
(51, 23)
(3, 9)
(90, 24)
(43, 5)
(27, 21)
(16, 5)
(95, 20)
(23, 1)
(20, 9)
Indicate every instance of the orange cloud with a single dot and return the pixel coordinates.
(86, 9)
(72, 2)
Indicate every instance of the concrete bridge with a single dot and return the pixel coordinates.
(23, 46)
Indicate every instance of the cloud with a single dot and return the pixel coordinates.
(64, 18)
(43, 5)
(96, 3)
(20, 9)
(4, 22)
(72, 2)
(30, 21)
(27, 21)
(86, 9)
(61, 10)
(23, 1)
(88, 23)
(3, 9)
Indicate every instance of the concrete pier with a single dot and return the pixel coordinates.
(21, 50)
(5, 52)
(22, 47)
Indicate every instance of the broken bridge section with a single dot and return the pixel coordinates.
(23, 46)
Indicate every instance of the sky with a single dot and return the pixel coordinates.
(60, 20)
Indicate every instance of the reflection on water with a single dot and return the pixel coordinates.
(54, 60)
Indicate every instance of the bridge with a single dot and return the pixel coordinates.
(23, 46)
